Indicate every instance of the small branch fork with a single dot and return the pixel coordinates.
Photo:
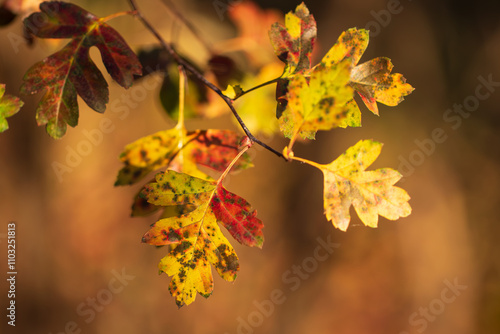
(186, 66)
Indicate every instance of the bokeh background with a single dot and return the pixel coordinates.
(75, 235)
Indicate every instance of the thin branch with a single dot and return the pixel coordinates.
(188, 67)
(257, 87)
(188, 24)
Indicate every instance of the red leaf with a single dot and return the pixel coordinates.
(70, 71)
(237, 216)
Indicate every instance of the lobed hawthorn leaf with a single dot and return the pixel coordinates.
(373, 82)
(293, 44)
(373, 79)
(372, 193)
(70, 71)
(180, 150)
(9, 106)
(196, 239)
(319, 104)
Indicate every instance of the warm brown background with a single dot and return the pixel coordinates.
(72, 235)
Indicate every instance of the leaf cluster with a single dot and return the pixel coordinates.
(192, 204)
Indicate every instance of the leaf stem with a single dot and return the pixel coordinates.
(228, 169)
(309, 162)
(182, 94)
(196, 33)
(115, 15)
(188, 67)
(257, 87)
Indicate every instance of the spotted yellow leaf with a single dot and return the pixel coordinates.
(372, 193)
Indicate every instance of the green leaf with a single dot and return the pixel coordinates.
(70, 71)
(9, 106)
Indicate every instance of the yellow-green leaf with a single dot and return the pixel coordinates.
(373, 79)
(372, 193)
(319, 104)
(180, 150)
(256, 107)
(9, 105)
(194, 236)
(352, 43)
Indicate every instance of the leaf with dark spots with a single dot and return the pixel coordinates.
(293, 43)
(320, 104)
(372, 193)
(374, 83)
(373, 79)
(181, 151)
(237, 216)
(217, 148)
(196, 234)
(70, 71)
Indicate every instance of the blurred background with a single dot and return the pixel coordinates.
(83, 269)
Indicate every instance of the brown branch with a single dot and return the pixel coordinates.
(188, 67)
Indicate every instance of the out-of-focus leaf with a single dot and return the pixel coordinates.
(256, 107)
(70, 71)
(9, 105)
(293, 43)
(180, 150)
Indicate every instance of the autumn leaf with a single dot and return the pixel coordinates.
(319, 104)
(10, 9)
(254, 107)
(9, 105)
(374, 83)
(196, 236)
(372, 193)
(180, 150)
(373, 79)
(70, 71)
(293, 43)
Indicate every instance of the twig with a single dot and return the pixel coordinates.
(196, 33)
(188, 67)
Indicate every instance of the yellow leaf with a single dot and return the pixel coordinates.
(373, 79)
(319, 104)
(195, 238)
(352, 43)
(372, 193)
